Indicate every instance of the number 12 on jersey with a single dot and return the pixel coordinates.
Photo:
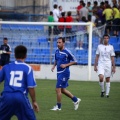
(16, 78)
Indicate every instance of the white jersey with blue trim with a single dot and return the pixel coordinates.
(18, 77)
(63, 57)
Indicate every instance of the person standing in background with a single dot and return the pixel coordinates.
(60, 11)
(104, 64)
(50, 19)
(5, 51)
(56, 18)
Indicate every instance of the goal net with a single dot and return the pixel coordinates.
(40, 38)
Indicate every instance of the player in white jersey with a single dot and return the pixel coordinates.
(104, 64)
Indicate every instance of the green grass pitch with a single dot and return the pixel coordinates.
(92, 106)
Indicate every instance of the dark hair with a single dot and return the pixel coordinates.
(60, 6)
(51, 13)
(63, 14)
(95, 2)
(69, 13)
(81, 1)
(55, 6)
(106, 2)
(89, 3)
(5, 38)
(62, 38)
(106, 35)
(20, 52)
(83, 19)
(83, 4)
(89, 17)
(102, 3)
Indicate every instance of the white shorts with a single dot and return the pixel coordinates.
(80, 37)
(105, 70)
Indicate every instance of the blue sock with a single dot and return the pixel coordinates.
(59, 105)
(74, 99)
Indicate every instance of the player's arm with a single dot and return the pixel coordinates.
(53, 67)
(96, 62)
(72, 59)
(69, 64)
(113, 64)
(33, 98)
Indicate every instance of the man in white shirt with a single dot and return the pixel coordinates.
(56, 19)
(84, 12)
(104, 64)
(56, 13)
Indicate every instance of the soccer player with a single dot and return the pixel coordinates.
(63, 59)
(5, 51)
(18, 82)
(106, 65)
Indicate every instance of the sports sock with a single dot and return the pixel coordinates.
(102, 86)
(59, 105)
(74, 99)
(107, 88)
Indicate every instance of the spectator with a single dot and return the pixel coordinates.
(98, 21)
(95, 7)
(116, 21)
(80, 34)
(89, 7)
(108, 12)
(79, 7)
(93, 18)
(56, 13)
(78, 10)
(99, 13)
(50, 19)
(68, 18)
(60, 11)
(5, 51)
(88, 27)
(62, 19)
(56, 18)
(84, 12)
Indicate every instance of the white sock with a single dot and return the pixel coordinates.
(107, 88)
(102, 86)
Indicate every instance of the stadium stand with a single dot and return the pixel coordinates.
(39, 48)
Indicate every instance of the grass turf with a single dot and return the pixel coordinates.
(92, 106)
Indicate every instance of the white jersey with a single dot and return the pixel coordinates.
(56, 15)
(105, 52)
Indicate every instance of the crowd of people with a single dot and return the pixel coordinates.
(97, 14)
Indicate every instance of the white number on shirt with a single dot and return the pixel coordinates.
(16, 77)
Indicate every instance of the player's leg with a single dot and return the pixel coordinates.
(58, 92)
(107, 76)
(101, 79)
(75, 100)
(107, 86)
(6, 107)
(24, 109)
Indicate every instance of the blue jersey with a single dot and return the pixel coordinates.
(63, 57)
(18, 77)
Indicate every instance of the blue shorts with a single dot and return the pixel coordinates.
(17, 104)
(62, 80)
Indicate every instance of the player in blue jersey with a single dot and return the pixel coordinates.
(5, 51)
(63, 59)
(18, 82)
